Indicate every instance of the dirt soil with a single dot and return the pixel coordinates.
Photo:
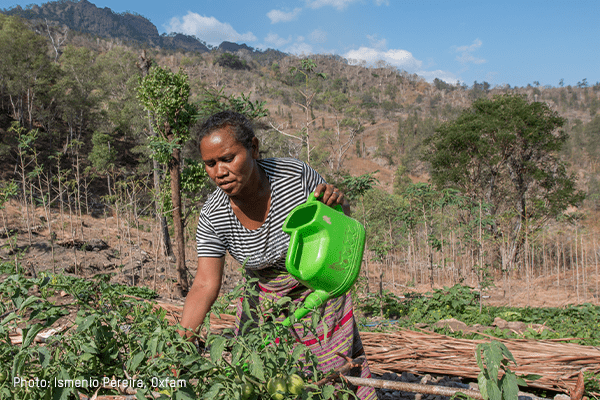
(109, 244)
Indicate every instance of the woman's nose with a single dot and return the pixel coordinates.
(221, 170)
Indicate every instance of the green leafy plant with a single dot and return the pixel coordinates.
(116, 337)
(266, 360)
(496, 381)
(592, 383)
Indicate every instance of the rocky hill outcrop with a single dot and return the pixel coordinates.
(84, 16)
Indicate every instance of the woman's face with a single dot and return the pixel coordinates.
(228, 163)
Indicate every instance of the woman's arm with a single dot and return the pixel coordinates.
(202, 294)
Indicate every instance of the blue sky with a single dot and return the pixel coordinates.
(501, 42)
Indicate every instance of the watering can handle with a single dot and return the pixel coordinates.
(312, 197)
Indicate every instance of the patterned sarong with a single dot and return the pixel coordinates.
(342, 332)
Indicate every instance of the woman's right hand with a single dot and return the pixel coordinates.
(332, 196)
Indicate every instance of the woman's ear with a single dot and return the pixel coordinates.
(255, 147)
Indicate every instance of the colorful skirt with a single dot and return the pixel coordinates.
(341, 336)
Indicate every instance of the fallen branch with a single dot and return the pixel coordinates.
(412, 387)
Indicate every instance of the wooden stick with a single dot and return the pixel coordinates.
(412, 387)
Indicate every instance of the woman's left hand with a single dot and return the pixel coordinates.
(332, 196)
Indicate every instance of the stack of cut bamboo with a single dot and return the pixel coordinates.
(557, 361)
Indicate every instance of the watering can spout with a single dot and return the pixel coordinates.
(312, 302)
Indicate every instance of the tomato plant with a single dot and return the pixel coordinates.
(119, 340)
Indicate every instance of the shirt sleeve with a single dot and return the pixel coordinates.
(310, 179)
(208, 243)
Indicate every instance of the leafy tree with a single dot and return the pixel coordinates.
(441, 85)
(216, 100)
(504, 152)
(80, 90)
(25, 69)
(401, 179)
(412, 131)
(120, 78)
(479, 90)
(231, 61)
(165, 95)
(102, 155)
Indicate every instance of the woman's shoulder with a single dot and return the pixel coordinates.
(217, 201)
(282, 166)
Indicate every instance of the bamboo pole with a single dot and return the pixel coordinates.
(583, 269)
(572, 263)
(577, 261)
(412, 387)
(596, 259)
(557, 266)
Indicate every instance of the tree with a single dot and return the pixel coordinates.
(504, 152)
(165, 95)
(81, 90)
(144, 63)
(120, 77)
(231, 61)
(25, 69)
(357, 187)
(305, 71)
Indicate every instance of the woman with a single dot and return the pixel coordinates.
(244, 216)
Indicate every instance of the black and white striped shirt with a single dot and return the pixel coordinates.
(219, 229)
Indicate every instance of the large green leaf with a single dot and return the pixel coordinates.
(135, 361)
(482, 383)
(510, 389)
(257, 367)
(493, 391)
(87, 322)
(217, 346)
(31, 334)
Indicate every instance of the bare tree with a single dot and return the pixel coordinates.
(58, 39)
(307, 68)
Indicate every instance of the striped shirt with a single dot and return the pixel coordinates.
(219, 229)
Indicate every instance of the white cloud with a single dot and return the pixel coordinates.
(318, 36)
(208, 29)
(281, 16)
(299, 47)
(378, 44)
(401, 59)
(445, 76)
(398, 58)
(466, 53)
(273, 39)
(339, 4)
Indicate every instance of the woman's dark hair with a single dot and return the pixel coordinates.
(239, 124)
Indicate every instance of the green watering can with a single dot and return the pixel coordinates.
(325, 251)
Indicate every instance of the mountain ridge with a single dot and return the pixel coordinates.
(84, 16)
